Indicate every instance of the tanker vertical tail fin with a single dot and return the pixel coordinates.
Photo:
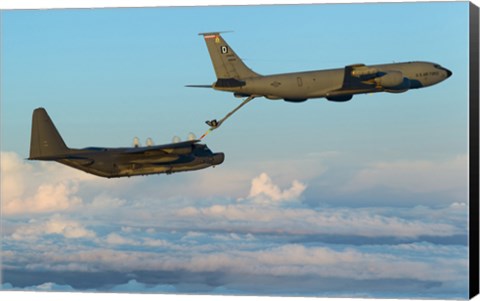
(45, 141)
(225, 61)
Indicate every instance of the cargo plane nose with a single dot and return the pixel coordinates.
(218, 158)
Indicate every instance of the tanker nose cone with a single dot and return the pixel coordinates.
(449, 73)
(218, 158)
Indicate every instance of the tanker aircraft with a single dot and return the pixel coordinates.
(337, 85)
(46, 144)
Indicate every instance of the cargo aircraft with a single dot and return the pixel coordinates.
(337, 85)
(46, 144)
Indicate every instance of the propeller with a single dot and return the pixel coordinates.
(191, 136)
(136, 142)
(176, 139)
(149, 142)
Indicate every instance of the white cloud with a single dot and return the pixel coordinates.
(459, 206)
(135, 286)
(46, 287)
(298, 260)
(115, 239)
(12, 181)
(151, 242)
(26, 190)
(304, 221)
(288, 260)
(47, 198)
(48, 187)
(69, 229)
(50, 286)
(192, 235)
(34, 230)
(103, 201)
(264, 191)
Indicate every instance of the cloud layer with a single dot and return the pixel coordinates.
(66, 230)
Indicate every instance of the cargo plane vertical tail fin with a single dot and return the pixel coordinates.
(225, 61)
(45, 141)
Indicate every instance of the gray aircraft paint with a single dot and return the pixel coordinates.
(46, 144)
(335, 84)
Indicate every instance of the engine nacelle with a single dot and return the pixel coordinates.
(295, 99)
(340, 98)
(391, 79)
(240, 95)
(364, 71)
(404, 87)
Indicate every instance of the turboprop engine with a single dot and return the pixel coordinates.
(393, 81)
(136, 142)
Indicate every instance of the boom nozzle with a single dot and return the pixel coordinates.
(212, 123)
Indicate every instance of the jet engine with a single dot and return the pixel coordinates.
(240, 95)
(393, 81)
(295, 99)
(340, 98)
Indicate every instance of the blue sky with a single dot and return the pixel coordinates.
(369, 195)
